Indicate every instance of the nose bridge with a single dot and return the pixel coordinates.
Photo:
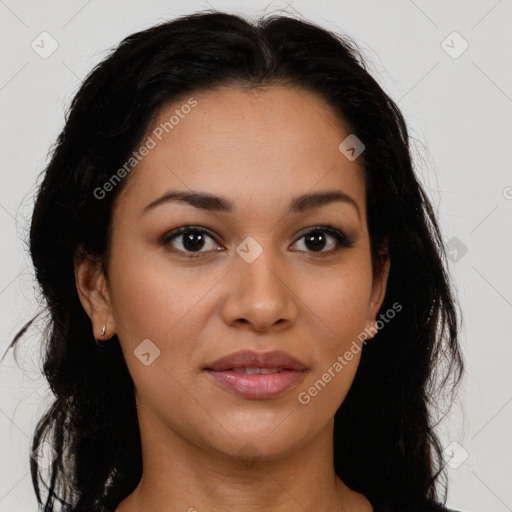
(259, 267)
(263, 296)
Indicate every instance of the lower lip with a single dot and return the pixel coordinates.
(257, 386)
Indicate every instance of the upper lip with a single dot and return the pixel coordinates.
(251, 359)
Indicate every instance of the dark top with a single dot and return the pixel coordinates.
(429, 506)
(378, 506)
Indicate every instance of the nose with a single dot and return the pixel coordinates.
(260, 294)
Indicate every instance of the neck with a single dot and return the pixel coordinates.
(181, 476)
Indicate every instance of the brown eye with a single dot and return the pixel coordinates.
(317, 239)
(191, 239)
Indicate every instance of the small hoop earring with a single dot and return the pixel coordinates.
(103, 331)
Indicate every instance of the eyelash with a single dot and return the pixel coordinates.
(339, 236)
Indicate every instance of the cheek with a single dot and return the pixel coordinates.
(168, 305)
(153, 301)
(339, 297)
(152, 298)
(337, 311)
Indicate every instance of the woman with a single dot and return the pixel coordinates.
(232, 214)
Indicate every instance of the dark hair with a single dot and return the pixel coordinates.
(384, 441)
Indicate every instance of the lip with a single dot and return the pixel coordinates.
(252, 359)
(257, 386)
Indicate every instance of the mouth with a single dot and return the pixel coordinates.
(254, 371)
(256, 375)
(257, 383)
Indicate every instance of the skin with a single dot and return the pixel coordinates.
(259, 148)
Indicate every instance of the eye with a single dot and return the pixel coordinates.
(316, 240)
(191, 238)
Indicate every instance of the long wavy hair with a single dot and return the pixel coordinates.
(385, 445)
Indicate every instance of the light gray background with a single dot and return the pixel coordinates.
(459, 112)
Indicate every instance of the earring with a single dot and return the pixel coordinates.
(102, 343)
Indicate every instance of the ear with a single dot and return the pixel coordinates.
(379, 287)
(93, 293)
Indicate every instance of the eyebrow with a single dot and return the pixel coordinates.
(206, 201)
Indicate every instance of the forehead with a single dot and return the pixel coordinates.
(260, 144)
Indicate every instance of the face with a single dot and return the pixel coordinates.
(262, 275)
